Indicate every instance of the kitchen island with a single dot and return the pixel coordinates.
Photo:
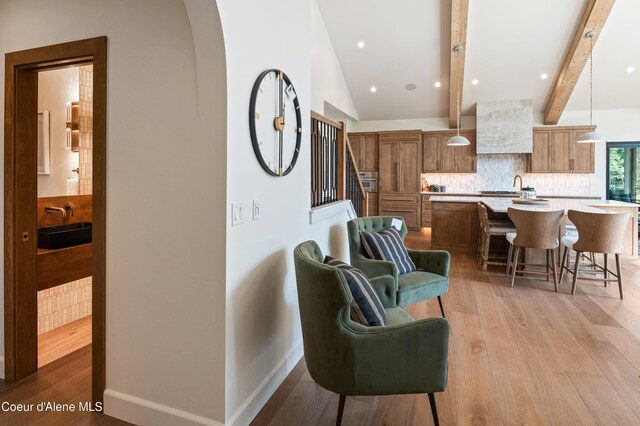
(455, 223)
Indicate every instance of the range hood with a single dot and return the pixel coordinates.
(504, 127)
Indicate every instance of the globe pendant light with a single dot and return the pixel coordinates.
(590, 137)
(458, 140)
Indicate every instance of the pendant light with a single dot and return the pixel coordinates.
(458, 140)
(590, 137)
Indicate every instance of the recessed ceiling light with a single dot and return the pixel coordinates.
(544, 76)
(361, 44)
(630, 69)
(474, 81)
(373, 89)
(410, 86)
(437, 84)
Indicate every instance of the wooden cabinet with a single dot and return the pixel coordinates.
(399, 175)
(438, 157)
(365, 151)
(455, 225)
(555, 150)
(426, 211)
(399, 163)
(373, 204)
(404, 205)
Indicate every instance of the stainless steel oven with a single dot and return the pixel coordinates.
(369, 181)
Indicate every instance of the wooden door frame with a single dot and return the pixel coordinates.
(19, 302)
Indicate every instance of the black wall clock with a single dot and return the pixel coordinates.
(275, 133)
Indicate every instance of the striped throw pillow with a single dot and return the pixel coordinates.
(387, 245)
(366, 307)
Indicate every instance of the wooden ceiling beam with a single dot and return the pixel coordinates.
(459, 17)
(593, 18)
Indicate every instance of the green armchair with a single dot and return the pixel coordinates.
(430, 280)
(348, 358)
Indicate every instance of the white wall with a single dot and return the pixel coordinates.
(327, 81)
(166, 187)
(55, 89)
(263, 330)
(426, 124)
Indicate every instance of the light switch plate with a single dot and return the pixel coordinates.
(257, 206)
(237, 213)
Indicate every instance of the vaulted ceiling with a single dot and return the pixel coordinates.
(509, 45)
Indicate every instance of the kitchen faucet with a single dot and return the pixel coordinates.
(515, 179)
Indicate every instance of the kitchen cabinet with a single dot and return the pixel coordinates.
(365, 151)
(555, 150)
(404, 205)
(399, 172)
(438, 157)
(373, 204)
(455, 225)
(426, 211)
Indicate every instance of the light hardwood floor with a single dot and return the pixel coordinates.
(517, 356)
(66, 381)
(63, 340)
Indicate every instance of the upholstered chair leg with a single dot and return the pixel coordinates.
(509, 254)
(441, 307)
(575, 272)
(434, 410)
(619, 274)
(516, 254)
(562, 263)
(606, 268)
(340, 409)
(554, 266)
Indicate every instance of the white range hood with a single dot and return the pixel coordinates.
(504, 127)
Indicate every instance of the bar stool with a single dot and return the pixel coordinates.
(535, 229)
(597, 233)
(489, 228)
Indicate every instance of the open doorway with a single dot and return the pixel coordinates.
(64, 260)
(38, 260)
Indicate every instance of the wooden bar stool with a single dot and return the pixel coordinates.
(489, 228)
(535, 229)
(597, 233)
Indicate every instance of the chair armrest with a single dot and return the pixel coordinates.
(386, 288)
(404, 358)
(374, 268)
(435, 261)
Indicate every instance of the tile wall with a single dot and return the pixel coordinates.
(86, 130)
(496, 173)
(63, 304)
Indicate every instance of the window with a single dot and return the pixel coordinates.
(623, 171)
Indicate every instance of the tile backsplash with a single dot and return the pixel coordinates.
(496, 173)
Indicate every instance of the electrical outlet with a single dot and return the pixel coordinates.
(257, 214)
(237, 213)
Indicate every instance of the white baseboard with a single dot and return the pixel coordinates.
(259, 397)
(142, 412)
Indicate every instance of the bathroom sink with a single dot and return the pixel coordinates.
(73, 234)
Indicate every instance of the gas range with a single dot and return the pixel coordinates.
(498, 192)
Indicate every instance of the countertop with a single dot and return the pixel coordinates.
(478, 194)
(501, 204)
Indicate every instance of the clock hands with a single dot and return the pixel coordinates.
(281, 135)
